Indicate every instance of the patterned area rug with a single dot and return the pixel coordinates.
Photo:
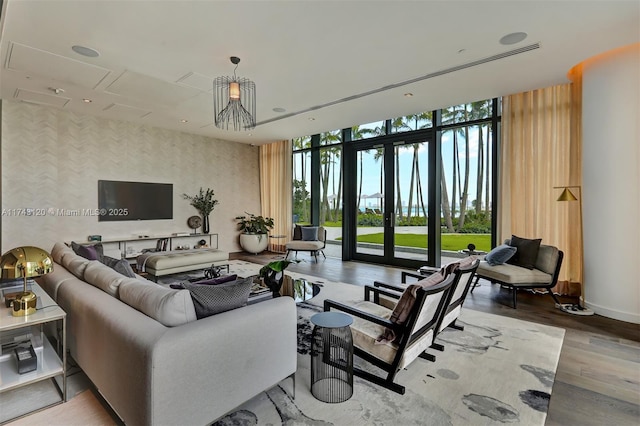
(498, 370)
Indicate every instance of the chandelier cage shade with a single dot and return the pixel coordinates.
(234, 102)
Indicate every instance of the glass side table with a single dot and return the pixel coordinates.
(51, 362)
(331, 357)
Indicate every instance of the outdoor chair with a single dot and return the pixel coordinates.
(392, 339)
(308, 238)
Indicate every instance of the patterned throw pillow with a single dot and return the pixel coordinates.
(119, 265)
(213, 299)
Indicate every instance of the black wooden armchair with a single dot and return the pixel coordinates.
(458, 293)
(412, 337)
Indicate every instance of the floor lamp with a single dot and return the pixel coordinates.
(578, 308)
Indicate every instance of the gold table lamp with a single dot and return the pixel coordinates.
(25, 262)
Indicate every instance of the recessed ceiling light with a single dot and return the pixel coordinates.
(86, 101)
(513, 38)
(462, 50)
(85, 51)
(311, 119)
(278, 109)
(408, 95)
(184, 121)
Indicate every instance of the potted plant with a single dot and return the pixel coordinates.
(204, 203)
(272, 275)
(255, 230)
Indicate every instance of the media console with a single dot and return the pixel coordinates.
(131, 247)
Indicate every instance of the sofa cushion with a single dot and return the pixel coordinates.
(297, 232)
(512, 274)
(58, 250)
(212, 299)
(500, 254)
(103, 277)
(304, 245)
(55, 279)
(169, 307)
(526, 253)
(310, 233)
(119, 265)
(74, 263)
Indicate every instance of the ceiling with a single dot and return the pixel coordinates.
(328, 64)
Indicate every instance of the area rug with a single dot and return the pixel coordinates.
(498, 370)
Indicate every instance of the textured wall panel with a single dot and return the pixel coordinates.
(54, 159)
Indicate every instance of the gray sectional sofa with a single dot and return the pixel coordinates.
(152, 361)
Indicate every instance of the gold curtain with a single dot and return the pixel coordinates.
(540, 150)
(276, 191)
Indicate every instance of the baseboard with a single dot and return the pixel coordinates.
(614, 314)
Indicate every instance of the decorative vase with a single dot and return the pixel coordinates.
(205, 224)
(273, 280)
(254, 243)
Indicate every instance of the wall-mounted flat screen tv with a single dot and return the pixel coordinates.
(119, 200)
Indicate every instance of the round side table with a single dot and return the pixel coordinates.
(331, 357)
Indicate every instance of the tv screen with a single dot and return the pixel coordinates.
(118, 200)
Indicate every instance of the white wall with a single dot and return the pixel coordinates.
(54, 158)
(611, 183)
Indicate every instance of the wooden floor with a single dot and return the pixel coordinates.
(598, 376)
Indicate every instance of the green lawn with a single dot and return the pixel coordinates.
(449, 242)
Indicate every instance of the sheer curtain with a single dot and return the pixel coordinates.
(540, 150)
(276, 191)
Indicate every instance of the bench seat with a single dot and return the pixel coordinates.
(172, 262)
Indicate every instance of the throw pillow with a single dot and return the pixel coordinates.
(88, 251)
(500, 254)
(218, 280)
(213, 299)
(309, 233)
(526, 253)
(119, 265)
(297, 232)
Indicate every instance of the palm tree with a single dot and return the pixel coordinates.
(326, 162)
(298, 144)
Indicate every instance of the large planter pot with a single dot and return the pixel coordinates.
(254, 243)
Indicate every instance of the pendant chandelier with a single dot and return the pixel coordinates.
(234, 101)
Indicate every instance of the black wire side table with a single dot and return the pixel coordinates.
(331, 357)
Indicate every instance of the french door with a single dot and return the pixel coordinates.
(390, 201)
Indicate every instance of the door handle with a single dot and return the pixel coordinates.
(388, 220)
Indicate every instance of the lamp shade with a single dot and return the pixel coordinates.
(567, 195)
(234, 102)
(25, 262)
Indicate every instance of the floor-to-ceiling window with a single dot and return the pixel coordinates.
(408, 190)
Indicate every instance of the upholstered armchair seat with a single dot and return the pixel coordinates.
(312, 246)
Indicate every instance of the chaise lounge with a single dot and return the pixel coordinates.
(544, 273)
